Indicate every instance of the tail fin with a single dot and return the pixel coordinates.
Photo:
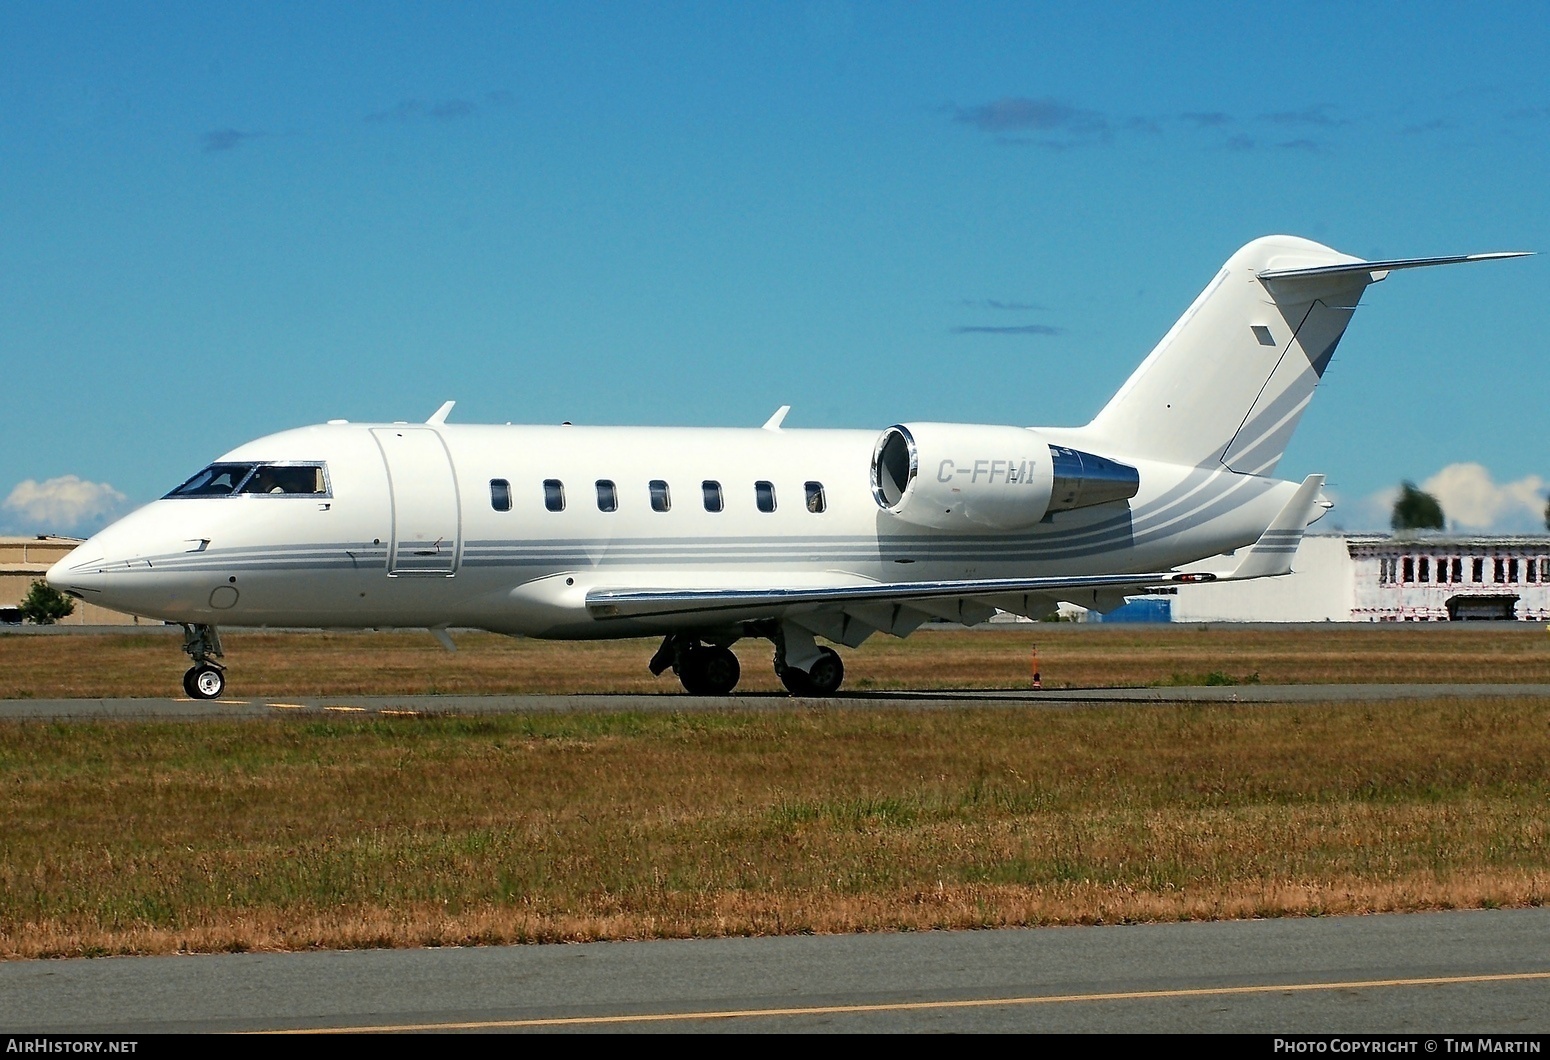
(1230, 380)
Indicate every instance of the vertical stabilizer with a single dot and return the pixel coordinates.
(1230, 380)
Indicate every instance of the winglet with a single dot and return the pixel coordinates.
(774, 422)
(440, 415)
(1272, 554)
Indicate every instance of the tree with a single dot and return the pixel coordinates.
(45, 605)
(1416, 510)
(1547, 515)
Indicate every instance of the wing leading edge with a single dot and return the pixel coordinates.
(638, 603)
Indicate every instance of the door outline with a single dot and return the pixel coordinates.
(416, 459)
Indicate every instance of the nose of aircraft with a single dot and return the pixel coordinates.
(78, 573)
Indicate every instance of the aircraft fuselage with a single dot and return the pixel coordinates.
(409, 531)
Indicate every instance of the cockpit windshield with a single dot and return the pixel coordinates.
(217, 480)
(225, 480)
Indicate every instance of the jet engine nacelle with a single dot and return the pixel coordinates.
(965, 476)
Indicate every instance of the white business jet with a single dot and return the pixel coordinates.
(706, 536)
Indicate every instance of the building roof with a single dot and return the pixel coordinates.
(1439, 539)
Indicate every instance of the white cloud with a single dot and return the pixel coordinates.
(1360, 514)
(62, 503)
(1472, 500)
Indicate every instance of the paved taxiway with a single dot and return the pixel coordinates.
(1473, 972)
(240, 706)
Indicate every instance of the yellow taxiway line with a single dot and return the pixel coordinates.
(916, 1006)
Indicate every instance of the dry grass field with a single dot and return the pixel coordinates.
(305, 832)
(301, 831)
(296, 664)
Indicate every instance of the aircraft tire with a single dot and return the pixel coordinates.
(711, 671)
(827, 674)
(795, 680)
(823, 679)
(204, 682)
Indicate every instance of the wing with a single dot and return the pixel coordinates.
(854, 610)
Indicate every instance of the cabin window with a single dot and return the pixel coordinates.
(815, 499)
(713, 499)
(661, 501)
(500, 495)
(607, 496)
(1479, 569)
(764, 496)
(1409, 569)
(287, 479)
(554, 495)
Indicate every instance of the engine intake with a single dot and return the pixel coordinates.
(965, 476)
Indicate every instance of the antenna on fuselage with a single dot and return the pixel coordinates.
(774, 422)
(440, 415)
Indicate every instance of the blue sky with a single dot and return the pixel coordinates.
(220, 220)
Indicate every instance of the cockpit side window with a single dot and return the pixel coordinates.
(288, 479)
(217, 480)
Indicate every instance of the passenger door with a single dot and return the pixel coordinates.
(427, 523)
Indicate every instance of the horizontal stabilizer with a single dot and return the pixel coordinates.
(1271, 556)
(1388, 266)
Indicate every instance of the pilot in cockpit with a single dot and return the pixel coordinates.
(291, 480)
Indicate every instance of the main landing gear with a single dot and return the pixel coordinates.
(823, 679)
(804, 668)
(704, 669)
(206, 679)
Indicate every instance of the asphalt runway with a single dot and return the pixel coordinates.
(1452, 973)
(250, 707)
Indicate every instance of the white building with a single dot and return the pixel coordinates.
(1376, 578)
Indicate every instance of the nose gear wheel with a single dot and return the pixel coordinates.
(204, 682)
(205, 679)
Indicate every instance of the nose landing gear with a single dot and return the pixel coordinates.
(206, 679)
